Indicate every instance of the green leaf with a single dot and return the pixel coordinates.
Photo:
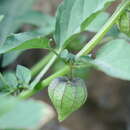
(3, 82)
(78, 42)
(23, 74)
(114, 59)
(98, 22)
(80, 72)
(23, 41)
(11, 9)
(19, 41)
(14, 19)
(71, 14)
(11, 79)
(114, 32)
(1, 17)
(37, 18)
(44, 22)
(28, 114)
(8, 58)
(5, 105)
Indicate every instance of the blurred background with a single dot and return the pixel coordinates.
(108, 104)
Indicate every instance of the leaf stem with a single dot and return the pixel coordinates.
(43, 84)
(98, 37)
(86, 50)
(36, 68)
(43, 72)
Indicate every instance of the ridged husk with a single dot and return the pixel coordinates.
(67, 95)
(123, 22)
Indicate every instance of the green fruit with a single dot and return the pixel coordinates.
(124, 22)
(67, 95)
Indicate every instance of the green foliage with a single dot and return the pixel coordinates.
(114, 32)
(78, 42)
(11, 79)
(8, 58)
(15, 113)
(23, 41)
(1, 17)
(38, 19)
(67, 96)
(5, 105)
(45, 24)
(23, 74)
(11, 82)
(81, 72)
(9, 8)
(98, 22)
(113, 59)
(10, 11)
(69, 18)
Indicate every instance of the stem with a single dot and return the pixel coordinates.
(86, 50)
(43, 84)
(57, 54)
(89, 47)
(36, 68)
(43, 72)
